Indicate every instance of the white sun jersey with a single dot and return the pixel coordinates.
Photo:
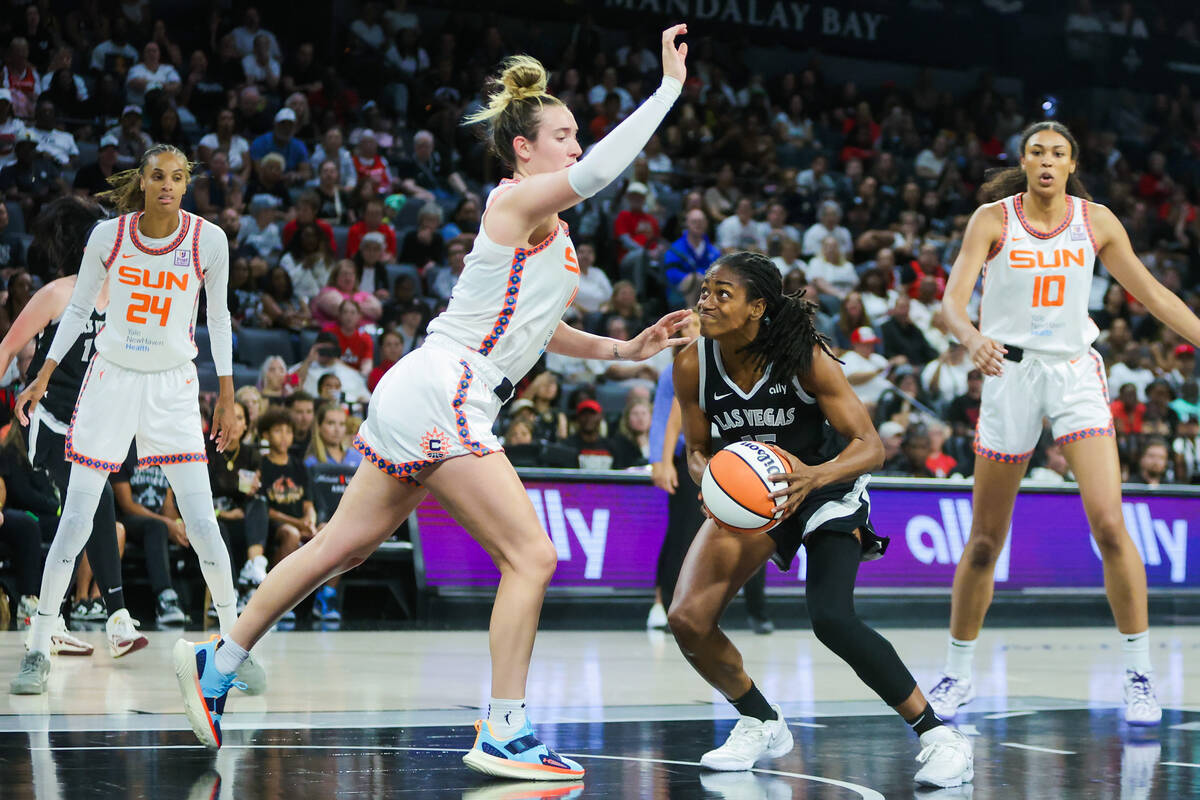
(1036, 284)
(154, 286)
(508, 301)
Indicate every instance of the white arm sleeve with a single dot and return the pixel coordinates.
(216, 286)
(83, 298)
(609, 157)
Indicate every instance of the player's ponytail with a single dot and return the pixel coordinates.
(1007, 181)
(126, 194)
(513, 109)
(787, 332)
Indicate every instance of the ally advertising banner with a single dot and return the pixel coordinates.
(609, 534)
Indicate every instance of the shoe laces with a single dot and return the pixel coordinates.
(932, 749)
(31, 663)
(946, 685)
(748, 734)
(126, 626)
(1139, 687)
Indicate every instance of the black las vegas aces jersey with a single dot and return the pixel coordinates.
(63, 390)
(776, 410)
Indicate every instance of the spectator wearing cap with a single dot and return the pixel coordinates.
(10, 126)
(1181, 366)
(891, 434)
(151, 73)
(372, 222)
(635, 229)
(32, 180)
(132, 141)
(281, 139)
(91, 179)
(261, 67)
(689, 257)
(828, 224)
(20, 77)
(53, 143)
(368, 163)
(427, 171)
(593, 449)
(901, 337)
(865, 369)
(322, 359)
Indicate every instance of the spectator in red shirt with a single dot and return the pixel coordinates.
(372, 221)
(306, 212)
(927, 264)
(634, 228)
(1155, 184)
(358, 350)
(1127, 412)
(940, 464)
(391, 349)
(369, 164)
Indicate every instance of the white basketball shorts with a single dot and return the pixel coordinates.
(1073, 393)
(435, 403)
(160, 409)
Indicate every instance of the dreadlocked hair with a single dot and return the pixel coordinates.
(1001, 182)
(787, 332)
(61, 231)
(126, 194)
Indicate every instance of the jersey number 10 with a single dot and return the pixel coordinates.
(142, 304)
(1049, 290)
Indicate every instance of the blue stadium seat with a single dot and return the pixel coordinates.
(396, 270)
(208, 377)
(611, 397)
(244, 375)
(255, 344)
(203, 345)
(308, 337)
(340, 234)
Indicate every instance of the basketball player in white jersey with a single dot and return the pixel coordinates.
(141, 382)
(429, 424)
(1037, 244)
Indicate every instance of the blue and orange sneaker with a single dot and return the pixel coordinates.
(523, 756)
(203, 688)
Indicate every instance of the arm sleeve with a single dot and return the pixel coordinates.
(87, 286)
(216, 285)
(664, 393)
(612, 154)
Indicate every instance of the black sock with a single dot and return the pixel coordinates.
(927, 720)
(753, 704)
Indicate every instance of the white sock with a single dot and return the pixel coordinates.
(506, 717)
(960, 653)
(41, 626)
(1136, 647)
(230, 656)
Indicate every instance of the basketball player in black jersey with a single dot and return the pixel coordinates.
(760, 371)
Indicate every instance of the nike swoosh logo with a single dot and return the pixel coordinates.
(1017, 238)
(128, 255)
(189, 380)
(721, 396)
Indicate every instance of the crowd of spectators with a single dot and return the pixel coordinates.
(351, 196)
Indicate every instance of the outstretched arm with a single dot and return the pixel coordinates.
(568, 341)
(516, 212)
(1114, 249)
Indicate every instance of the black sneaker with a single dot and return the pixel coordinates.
(96, 611)
(168, 612)
(80, 611)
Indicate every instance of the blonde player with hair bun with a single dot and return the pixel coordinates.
(429, 425)
(141, 384)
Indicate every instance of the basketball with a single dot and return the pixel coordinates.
(736, 490)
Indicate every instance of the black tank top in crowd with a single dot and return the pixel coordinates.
(776, 410)
(67, 379)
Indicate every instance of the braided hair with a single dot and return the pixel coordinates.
(787, 332)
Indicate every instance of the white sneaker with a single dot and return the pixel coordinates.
(947, 758)
(62, 643)
(123, 635)
(949, 693)
(749, 741)
(254, 571)
(1141, 706)
(657, 618)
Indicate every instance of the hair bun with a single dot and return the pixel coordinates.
(523, 77)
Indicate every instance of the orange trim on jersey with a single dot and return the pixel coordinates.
(112, 256)
(999, 244)
(173, 458)
(1099, 364)
(1062, 226)
(184, 224)
(1086, 433)
(196, 251)
(1087, 223)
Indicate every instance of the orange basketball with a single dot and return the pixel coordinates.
(736, 489)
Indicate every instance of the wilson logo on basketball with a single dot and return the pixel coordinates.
(1028, 259)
